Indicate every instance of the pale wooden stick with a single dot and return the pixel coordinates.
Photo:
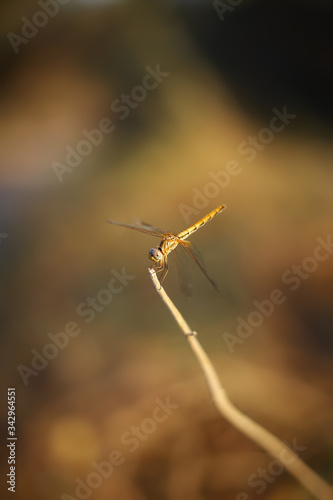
(265, 439)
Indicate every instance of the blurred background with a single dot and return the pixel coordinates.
(91, 366)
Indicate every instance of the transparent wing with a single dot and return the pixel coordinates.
(183, 272)
(195, 255)
(141, 228)
(148, 226)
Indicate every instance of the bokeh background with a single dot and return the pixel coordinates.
(227, 71)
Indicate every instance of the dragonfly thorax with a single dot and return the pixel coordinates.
(155, 254)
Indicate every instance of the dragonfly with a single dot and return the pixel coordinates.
(169, 241)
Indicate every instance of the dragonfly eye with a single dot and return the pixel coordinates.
(155, 254)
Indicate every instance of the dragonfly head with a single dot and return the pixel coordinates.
(155, 254)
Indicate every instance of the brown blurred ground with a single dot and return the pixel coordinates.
(59, 250)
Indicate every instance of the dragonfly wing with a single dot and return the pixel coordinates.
(148, 226)
(141, 229)
(183, 273)
(195, 255)
(195, 250)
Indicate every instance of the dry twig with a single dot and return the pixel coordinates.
(265, 439)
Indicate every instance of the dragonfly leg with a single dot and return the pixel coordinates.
(164, 267)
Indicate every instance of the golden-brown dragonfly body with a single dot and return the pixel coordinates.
(170, 241)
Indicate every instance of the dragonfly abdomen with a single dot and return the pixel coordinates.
(185, 234)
